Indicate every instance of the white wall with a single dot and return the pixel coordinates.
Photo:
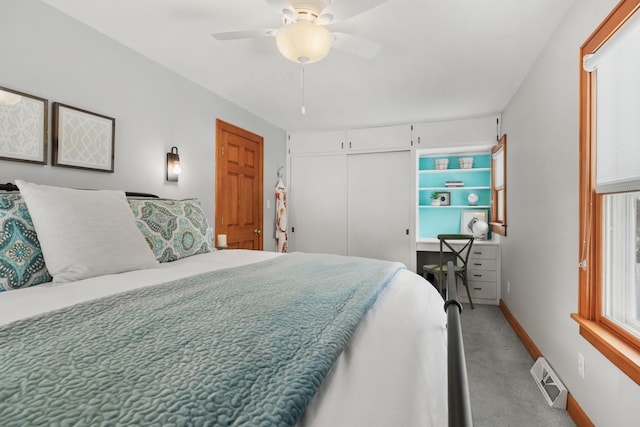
(48, 54)
(540, 253)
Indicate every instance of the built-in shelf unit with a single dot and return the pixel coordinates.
(434, 220)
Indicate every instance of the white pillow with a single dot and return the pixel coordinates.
(85, 233)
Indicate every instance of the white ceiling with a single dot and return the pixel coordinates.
(440, 59)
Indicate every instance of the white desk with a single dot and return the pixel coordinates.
(483, 268)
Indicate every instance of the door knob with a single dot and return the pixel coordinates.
(257, 232)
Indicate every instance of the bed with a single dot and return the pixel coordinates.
(177, 338)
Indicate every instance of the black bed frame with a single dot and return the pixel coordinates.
(12, 187)
(458, 386)
(8, 187)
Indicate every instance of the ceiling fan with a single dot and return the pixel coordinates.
(305, 36)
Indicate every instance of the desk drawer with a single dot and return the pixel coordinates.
(484, 290)
(482, 275)
(482, 264)
(483, 252)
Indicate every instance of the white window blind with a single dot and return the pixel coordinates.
(618, 109)
(498, 158)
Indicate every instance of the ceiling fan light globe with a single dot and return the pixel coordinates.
(304, 39)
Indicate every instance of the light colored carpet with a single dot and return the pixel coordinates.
(503, 393)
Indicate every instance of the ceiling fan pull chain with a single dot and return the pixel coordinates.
(303, 109)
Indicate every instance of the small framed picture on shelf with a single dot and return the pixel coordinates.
(444, 198)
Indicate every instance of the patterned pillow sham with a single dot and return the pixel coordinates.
(173, 229)
(21, 260)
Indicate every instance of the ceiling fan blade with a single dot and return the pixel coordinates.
(356, 45)
(341, 10)
(248, 34)
(284, 7)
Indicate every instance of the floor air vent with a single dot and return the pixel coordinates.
(554, 392)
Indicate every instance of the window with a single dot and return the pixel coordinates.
(609, 288)
(621, 261)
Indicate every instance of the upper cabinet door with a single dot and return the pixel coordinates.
(456, 133)
(385, 138)
(317, 142)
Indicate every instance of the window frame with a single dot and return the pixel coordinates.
(615, 343)
(498, 220)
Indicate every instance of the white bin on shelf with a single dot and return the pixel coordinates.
(465, 162)
(441, 164)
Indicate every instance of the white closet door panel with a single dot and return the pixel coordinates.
(379, 205)
(316, 142)
(318, 204)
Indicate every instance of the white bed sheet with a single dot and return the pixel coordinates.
(392, 373)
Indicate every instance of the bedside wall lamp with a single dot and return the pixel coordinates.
(173, 164)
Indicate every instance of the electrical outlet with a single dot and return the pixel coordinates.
(508, 286)
(581, 365)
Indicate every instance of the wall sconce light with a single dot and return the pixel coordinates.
(173, 164)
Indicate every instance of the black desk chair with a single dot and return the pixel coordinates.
(461, 256)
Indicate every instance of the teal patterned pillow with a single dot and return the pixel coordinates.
(173, 229)
(21, 261)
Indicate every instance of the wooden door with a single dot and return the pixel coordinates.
(239, 190)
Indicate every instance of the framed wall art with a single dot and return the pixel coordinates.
(23, 127)
(82, 139)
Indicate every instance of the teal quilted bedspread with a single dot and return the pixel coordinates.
(241, 346)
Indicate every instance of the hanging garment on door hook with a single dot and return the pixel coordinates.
(281, 217)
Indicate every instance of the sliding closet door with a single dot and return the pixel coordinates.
(318, 204)
(379, 205)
